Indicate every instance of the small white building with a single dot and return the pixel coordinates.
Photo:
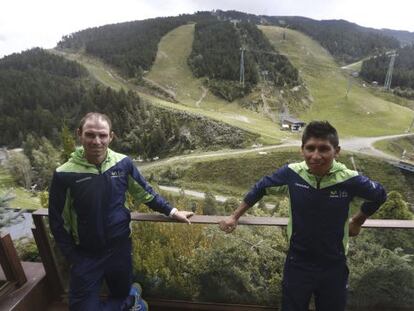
(292, 124)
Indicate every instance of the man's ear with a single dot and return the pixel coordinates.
(337, 151)
(111, 136)
(78, 133)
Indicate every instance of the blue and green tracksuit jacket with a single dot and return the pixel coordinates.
(87, 203)
(319, 209)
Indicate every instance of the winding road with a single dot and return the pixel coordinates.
(362, 145)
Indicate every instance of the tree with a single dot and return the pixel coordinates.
(209, 204)
(394, 208)
(68, 143)
(21, 169)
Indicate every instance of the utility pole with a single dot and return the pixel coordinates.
(411, 126)
(349, 86)
(242, 66)
(388, 78)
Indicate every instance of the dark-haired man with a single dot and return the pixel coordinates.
(90, 222)
(320, 191)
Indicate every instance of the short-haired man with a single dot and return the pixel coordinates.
(320, 191)
(90, 222)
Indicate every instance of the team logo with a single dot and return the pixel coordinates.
(117, 174)
(302, 185)
(338, 194)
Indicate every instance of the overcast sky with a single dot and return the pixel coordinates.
(29, 23)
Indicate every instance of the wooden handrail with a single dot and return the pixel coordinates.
(10, 262)
(255, 221)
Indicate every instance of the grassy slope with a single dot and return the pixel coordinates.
(235, 175)
(215, 109)
(397, 146)
(23, 198)
(361, 114)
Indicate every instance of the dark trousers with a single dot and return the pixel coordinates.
(327, 282)
(114, 265)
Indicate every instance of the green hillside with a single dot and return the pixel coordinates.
(210, 107)
(171, 70)
(326, 83)
(359, 114)
(233, 175)
(398, 147)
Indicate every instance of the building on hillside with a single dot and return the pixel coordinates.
(292, 124)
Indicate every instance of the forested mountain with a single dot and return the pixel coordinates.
(375, 69)
(39, 92)
(130, 46)
(405, 37)
(216, 55)
(347, 42)
(38, 89)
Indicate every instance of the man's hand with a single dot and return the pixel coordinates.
(183, 216)
(229, 224)
(354, 228)
(356, 222)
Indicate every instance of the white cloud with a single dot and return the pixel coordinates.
(27, 23)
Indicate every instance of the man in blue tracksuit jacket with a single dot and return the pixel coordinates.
(90, 222)
(320, 191)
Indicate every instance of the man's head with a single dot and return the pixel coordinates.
(320, 146)
(95, 134)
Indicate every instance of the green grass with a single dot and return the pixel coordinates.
(24, 199)
(231, 114)
(397, 146)
(235, 175)
(5, 179)
(359, 114)
(362, 113)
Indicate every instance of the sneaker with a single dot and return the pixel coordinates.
(139, 303)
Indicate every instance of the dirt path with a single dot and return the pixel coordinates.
(362, 145)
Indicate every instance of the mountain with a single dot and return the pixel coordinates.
(40, 92)
(375, 69)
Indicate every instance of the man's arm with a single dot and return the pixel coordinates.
(278, 178)
(356, 222)
(57, 201)
(230, 223)
(374, 195)
(143, 193)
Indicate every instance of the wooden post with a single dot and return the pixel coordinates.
(45, 250)
(10, 262)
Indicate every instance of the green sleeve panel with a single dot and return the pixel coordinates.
(137, 192)
(277, 190)
(70, 218)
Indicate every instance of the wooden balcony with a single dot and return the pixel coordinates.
(53, 292)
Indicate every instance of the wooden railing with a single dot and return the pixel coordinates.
(44, 244)
(13, 275)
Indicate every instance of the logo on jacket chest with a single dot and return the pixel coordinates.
(339, 194)
(117, 174)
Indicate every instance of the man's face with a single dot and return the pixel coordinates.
(319, 155)
(95, 138)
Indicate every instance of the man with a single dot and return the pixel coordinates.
(320, 191)
(90, 222)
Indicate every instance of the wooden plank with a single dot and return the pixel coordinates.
(269, 221)
(180, 305)
(209, 220)
(10, 261)
(45, 251)
(257, 221)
